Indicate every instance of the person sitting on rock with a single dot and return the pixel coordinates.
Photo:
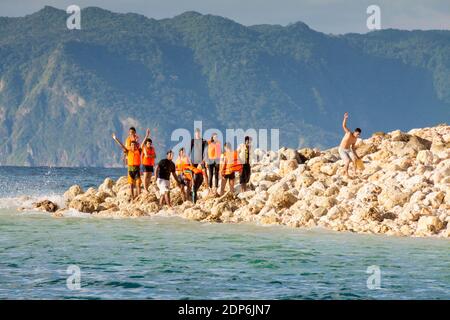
(165, 168)
(230, 164)
(347, 146)
(181, 164)
(133, 153)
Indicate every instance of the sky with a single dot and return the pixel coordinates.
(329, 16)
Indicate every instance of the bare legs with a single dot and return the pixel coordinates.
(223, 183)
(346, 168)
(147, 180)
(165, 198)
(135, 189)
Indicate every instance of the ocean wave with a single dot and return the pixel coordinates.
(26, 202)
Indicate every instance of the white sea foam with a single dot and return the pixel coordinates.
(72, 213)
(26, 202)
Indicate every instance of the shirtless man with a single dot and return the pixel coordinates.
(347, 146)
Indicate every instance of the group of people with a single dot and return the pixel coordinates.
(208, 162)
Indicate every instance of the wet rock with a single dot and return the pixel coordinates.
(83, 205)
(46, 205)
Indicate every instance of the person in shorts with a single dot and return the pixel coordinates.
(229, 165)
(347, 147)
(165, 168)
(133, 156)
(148, 160)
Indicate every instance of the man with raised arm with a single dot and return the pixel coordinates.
(148, 160)
(133, 156)
(347, 146)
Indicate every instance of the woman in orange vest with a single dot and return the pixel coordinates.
(213, 162)
(133, 153)
(181, 164)
(230, 164)
(148, 161)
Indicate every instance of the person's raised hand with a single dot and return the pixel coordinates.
(147, 132)
(346, 115)
(114, 136)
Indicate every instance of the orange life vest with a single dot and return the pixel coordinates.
(150, 160)
(134, 158)
(213, 150)
(189, 169)
(129, 139)
(232, 163)
(181, 164)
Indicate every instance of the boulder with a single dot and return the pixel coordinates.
(107, 186)
(134, 213)
(428, 225)
(425, 157)
(73, 191)
(219, 209)
(398, 135)
(368, 192)
(83, 205)
(290, 154)
(270, 217)
(46, 205)
(287, 166)
(300, 218)
(283, 199)
(434, 199)
(306, 154)
(329, 169)
(392, 196)
(195, 213)
(364, 149)
(319, 212)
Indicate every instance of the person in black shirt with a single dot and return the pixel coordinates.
(245, 151)
(198, 150)
(164, 169)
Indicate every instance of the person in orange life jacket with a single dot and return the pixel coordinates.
(148, 160)
(228, 167)
(213, 162)
(195, 175)
(132, 136)
(180, 166)
(198, 149)
(245, 152)
(134, 165)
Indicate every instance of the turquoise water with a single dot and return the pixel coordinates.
(171, 258)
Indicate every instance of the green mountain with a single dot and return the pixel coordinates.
(62, 92)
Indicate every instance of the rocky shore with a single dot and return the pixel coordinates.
(404, 190)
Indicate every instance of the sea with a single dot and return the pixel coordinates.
(166, 257)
